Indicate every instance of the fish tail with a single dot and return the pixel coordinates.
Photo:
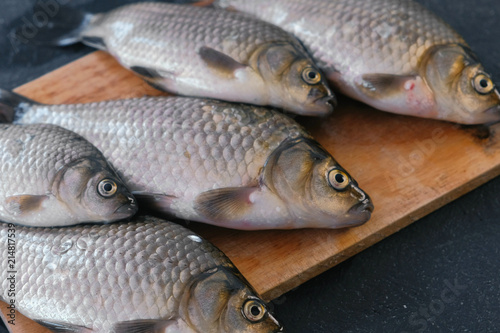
(13, 106)
(64, 25)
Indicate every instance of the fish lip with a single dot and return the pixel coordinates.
(322, 106)
(493, 110)
(279, 329)
(329, 100)
(127, 209)
(365, 206)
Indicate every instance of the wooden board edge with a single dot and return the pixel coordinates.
(22, 87)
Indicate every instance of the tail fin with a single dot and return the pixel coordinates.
(64, 27)
(13, 106)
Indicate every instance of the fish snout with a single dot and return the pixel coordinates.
(280, 329)
(330, 98)
(129, 208)
(364, 207)
(322, 101)
(359, 193)
(333, 101)
(494, 110)
(330, 101)
(487, 117)
(320, 107)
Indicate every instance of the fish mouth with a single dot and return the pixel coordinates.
(491, 116)
(127, 209)
(330, 101)
(493, 110)
(280, 327)
(322, 106)
(364, 207)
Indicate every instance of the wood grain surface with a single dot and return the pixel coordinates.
(408, 166)
(17, 323)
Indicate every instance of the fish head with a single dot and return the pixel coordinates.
(93, 192)
(463, 91)
(220, 300)
(318, 192)
(294, 81)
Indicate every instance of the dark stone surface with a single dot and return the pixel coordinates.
(440, 274)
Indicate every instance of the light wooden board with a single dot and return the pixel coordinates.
(408, 166)
(17, 323)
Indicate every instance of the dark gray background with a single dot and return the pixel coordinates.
(440, 274)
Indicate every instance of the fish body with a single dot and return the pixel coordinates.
(148, 275)
(206, 52)
(392, 54)
(233, 165)
(50, 176)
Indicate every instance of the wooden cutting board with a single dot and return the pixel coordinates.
(409, 167)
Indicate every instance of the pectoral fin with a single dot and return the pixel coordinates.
(145, 72)
(95, 42)
(162, 81)
(57, 327)
(156, 201)
(410, 94)
(144, 326)
(386, 85)
(219, 62)
(225, 204)
(25, 204)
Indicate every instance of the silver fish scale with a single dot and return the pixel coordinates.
(357, 36)
(95, 276)
(174, 145)
(31, 155)
(186, 29)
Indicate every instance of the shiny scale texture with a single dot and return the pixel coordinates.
(176, 146)
(357, 36)
(31, 155)
(94, 276)
(168, 37)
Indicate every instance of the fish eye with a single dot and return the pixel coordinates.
(311, 76)
(483, 84)
(338, 179)
(254, 310)
(107, 188)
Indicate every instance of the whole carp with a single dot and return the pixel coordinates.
(50, 176)
(394, 55)
(233, 165)
(203, 52)
(148, 275)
